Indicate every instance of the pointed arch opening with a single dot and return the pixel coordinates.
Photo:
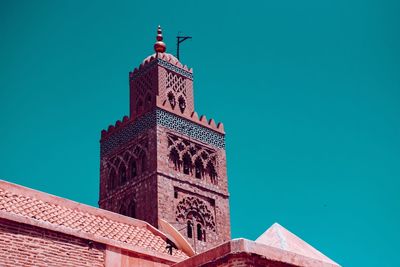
(182, 103)
(171, 99)
(212, 172)
(122, 174)
(143, 162)
(187, 163)
(198, 168)
(189, 229)
(199, 232)
(132, 169)
(112, 177)
(174, 158)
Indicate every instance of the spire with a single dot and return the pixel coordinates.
(159, 46)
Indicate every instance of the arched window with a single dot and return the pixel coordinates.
(189, 229)
(112, 179)
(199, 232)
(187, 164)
(212, 172)
(182, 104)
(174, 157)
(122, 174)
(171, 99)
(198, 168)
(133, 169)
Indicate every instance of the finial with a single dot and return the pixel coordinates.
(159, 46)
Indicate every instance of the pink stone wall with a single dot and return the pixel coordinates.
(142, 189)
(25, 245)
(236, 260)
(174, 186)
(116, 257)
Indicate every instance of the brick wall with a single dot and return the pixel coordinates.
(25, 245)
(142, 189)
(174, 186)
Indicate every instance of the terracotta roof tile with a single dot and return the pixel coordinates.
(85, 222)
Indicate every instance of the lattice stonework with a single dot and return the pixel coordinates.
(144, 91)
(166, 119)
(135, 151)
(195, 209)
(176, 83)
(176, 87)
(174, 68)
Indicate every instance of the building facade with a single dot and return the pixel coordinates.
(163, 161)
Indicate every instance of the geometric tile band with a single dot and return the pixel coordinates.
(174, 68)
(190, 129)
(166, 119)
(127, 133)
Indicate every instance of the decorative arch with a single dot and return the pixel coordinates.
(132, 168)
(212, 172)
(171, 99)
(122, 175)
(174, 157)
(196, 211)
(193, 159)
(187, 163)
(198, 168)
(182, 103)
(126, 166)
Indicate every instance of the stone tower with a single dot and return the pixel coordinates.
(163, 161)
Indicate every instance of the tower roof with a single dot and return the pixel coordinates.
(279, 237)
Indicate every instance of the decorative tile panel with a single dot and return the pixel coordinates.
(166, 119)
(190, 129)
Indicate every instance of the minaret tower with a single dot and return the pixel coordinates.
(164, 161)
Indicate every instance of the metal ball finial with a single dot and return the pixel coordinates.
(159, 46)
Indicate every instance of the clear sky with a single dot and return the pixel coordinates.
(308, 91)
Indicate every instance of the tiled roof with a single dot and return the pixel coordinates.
(81, 218)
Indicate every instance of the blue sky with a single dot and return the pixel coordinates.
(308, 92)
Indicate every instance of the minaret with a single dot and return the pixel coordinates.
(163, 161)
